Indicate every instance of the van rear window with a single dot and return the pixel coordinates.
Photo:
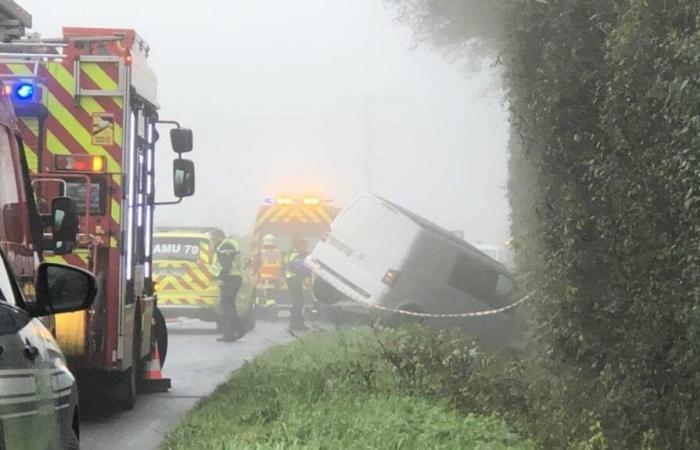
(471, 276)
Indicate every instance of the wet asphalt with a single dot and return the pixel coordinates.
(197, 364)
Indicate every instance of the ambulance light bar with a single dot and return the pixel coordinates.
(80, 163)
(311, 201)
(307, 201)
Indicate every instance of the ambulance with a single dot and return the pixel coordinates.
(286, 218)
(185, 274)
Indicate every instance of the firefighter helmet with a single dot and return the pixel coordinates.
(269, 239)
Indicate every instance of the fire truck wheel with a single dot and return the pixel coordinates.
(127, 399)
(129, 379)
(161, 334)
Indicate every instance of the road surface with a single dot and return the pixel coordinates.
(197, 363)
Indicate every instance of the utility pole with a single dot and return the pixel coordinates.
(367, 162)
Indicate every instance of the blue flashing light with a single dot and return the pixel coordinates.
(270, 200)
(24, 91)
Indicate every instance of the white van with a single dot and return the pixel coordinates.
(382, 254)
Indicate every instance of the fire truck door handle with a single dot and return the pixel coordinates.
(30, 351)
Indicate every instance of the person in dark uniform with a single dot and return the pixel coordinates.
(229, 284)
(297, 271)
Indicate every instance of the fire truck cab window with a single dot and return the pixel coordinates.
(76, 190)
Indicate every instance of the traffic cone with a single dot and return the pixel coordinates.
(152, 369)
(153, 380)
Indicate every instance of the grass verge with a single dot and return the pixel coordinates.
(331, 391)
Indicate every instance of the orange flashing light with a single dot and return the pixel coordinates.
(80, 163)
(98, 164)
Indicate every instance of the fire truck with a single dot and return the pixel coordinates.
(286, 218)
(89, 121)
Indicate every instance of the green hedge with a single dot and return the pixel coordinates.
(605, 195)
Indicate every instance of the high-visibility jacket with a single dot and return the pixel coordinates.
(296, 266)
(270, 263)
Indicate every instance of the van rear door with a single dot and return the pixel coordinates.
(368, 239)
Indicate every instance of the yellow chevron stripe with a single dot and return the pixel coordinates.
(265, 216)
(113, 243)
(325, 215)
(31, 153)
(116, 211)
(201, 276)
(54, 146)
(99, 76)
(20, 69)
(56, 259)
(32, 159)
(67, 81)
(83, 255)
(79, 133)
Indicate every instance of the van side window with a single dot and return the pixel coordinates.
(471, 276)
(504, 286)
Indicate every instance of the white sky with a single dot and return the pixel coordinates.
(275, 91)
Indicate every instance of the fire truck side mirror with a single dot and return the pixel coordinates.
(183, 178)
(181, 140)
(61, 289)
(64, 224)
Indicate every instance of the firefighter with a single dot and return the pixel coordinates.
(229, 284)
(269, 268)
(297, 272)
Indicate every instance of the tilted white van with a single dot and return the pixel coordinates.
(378, 253)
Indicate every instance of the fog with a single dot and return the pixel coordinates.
(302, 97)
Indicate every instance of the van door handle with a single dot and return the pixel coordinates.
(30, 351)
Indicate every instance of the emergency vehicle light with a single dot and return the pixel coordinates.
(310, 201)
(24, 91)
(80, 163)
(284, 200)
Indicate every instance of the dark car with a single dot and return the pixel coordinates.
(38, 394)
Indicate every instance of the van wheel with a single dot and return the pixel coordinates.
(323, 292)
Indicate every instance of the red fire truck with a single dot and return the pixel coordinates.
(89, 122)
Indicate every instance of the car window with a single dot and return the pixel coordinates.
(471, 276)
(7, 293)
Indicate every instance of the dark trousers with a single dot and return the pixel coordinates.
(229, 291)
(296, 292)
